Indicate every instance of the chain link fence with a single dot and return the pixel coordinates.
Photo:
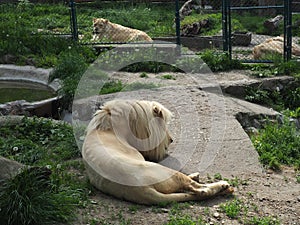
(248, 23)
(263, 30)
(110, 22)
(28, 27)
(250, 30)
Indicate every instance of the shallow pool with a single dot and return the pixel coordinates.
(29, 91)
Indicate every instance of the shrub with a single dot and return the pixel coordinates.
(219, 61)
(70, 67)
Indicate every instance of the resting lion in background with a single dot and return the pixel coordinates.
(271, 46)
(103, 28)
(121, 135)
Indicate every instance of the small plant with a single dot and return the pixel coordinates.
(30, 142)
(133, 208)
(111, 87)
(114, 86)
(232, 209)
(270, 98)
(137, 86)
(144, 75)
(218, 176)
(263, 221)
(184, 220)
(298, 178)
(168, 77)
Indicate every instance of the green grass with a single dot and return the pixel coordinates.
(114, 86)
(184, 220)
(268, 220)
(232, 209)
(155, 19)
(278, 144)
(168, 77)
(31, 198)
(35, 142)
(48, 193)
(219, 61)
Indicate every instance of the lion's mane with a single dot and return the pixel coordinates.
(141, 124)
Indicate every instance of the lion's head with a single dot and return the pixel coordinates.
(141, 124)
(99, 26)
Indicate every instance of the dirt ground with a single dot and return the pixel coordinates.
(261, 193)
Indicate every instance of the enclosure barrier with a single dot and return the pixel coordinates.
(231, 17)
(227, 34)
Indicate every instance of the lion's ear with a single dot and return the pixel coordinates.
(157, 111)
(105, 20)
(94, 20)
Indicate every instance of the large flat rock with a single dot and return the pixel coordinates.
(208, 137)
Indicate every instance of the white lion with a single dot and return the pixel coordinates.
(103, 28)
(120, 137)
(271, 46)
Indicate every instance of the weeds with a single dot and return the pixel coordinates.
(177, 217)
(232, 209)
(114, 86)
(184, 220)
(144, 75)
(278, 99)
(168, 77)
(278, 68)
(263, 221)
(278, 144)
(34, 142)
(219, 61)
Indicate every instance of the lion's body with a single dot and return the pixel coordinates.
(116, 167)
(103, 28)
(271, 46)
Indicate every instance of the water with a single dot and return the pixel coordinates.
(29, 91)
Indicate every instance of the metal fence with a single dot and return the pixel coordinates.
(110, 22)
(259, 32)
(229, 25)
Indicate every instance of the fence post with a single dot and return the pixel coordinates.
(73, 20)
(226, 26)
(229, 29)
(287, 30)
(177, 22)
